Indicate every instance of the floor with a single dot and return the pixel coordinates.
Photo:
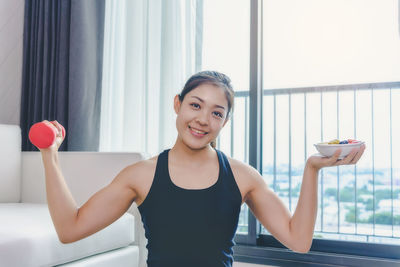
(242, 264)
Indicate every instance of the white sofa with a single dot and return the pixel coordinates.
(27, 234)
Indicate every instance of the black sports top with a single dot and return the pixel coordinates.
(191, 227)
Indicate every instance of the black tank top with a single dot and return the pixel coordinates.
(191, 227)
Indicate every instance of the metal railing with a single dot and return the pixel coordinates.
(363, 190)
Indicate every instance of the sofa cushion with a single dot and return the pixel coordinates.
(127, 256)
(10, 167)
(28, 237)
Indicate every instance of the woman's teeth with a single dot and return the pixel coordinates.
(197, 131)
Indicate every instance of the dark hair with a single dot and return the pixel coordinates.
(215, 78)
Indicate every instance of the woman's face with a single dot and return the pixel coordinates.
(201, 115)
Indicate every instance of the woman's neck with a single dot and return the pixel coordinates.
(180, 152)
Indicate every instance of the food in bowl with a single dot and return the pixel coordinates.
(327, 149)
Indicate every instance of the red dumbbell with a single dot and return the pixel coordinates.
(43, 135)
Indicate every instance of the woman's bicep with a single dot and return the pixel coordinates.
(105, 206)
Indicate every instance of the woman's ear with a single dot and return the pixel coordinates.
(177, 104)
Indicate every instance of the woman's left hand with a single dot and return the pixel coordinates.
(318, 162)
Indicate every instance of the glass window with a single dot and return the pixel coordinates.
(226, 34)
(313, 42)
(334, 63)
(310, 46)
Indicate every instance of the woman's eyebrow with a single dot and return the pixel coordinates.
(202, 101)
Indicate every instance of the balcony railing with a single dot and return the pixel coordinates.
(359, 202)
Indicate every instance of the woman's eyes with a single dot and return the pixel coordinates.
(218, 114)
(195, 105)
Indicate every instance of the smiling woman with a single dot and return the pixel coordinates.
(190, 196)
(213, 80)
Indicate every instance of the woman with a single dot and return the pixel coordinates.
(189, 196)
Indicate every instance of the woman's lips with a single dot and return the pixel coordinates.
(197, 132)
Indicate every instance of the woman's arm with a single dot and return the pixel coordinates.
(303, 220)
(107, 205)
(295, 232)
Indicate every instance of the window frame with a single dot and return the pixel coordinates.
(265, 249)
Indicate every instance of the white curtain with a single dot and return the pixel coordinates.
(150, 49)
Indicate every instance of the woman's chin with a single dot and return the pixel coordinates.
(196, 145)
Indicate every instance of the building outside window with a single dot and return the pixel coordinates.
(330, 70)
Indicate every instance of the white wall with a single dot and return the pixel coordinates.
(11, 33)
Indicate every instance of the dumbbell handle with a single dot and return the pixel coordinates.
(43, 135)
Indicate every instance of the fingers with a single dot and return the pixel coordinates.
(58, 126)
(335, 157)
(346, 160)
(358, 155)
(55, 124)
(353, 157)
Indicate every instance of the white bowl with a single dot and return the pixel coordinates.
(328, 150)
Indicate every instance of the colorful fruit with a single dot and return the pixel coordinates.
(341, 142)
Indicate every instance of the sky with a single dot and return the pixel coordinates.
(311, 43)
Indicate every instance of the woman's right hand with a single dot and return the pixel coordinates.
(59, 138)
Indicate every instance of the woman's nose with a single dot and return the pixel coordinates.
(202, 118)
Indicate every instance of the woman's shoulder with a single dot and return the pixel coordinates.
(245, 175)
(143, 166)
(141, 177)
(241, 168)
